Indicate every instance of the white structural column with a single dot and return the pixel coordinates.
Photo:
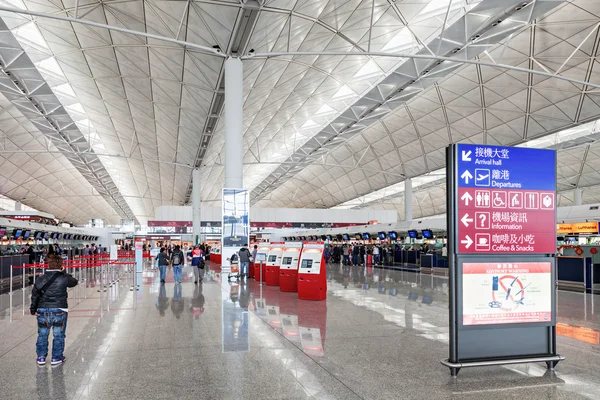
(578, 194)
(234, 123)
(408, 199)
(196, 205)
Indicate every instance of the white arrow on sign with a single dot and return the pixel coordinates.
(466, 155)
(466, 198)
(467, 242)
(465, 220)
(466, 176)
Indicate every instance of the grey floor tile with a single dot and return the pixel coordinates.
(358, 344)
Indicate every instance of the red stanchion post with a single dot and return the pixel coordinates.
(11, 294)
(23, 289)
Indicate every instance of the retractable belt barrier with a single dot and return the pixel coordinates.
(90, 271)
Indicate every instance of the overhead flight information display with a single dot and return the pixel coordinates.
(506, 200)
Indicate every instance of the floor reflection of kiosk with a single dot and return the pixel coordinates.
(259, 263)
(288, 270)
(273, 263)
(312, 279)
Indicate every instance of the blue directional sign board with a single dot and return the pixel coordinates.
(506, 199)
(506, 167)
(501, 241)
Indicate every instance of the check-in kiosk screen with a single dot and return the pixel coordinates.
(286, 260)
(272, 258)
(306, 264)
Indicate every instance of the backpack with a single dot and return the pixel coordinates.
(177, 259)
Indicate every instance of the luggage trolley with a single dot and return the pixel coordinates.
(234, 272)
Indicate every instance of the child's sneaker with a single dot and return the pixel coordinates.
(41, 360)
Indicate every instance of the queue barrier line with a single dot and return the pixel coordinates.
(109, 271)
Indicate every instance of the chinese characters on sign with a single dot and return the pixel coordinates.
(506, 293)
(506, 200)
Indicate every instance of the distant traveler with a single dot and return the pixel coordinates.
(198, 264)
(363, 254)
(31, 254)
(163, 261)
(245, 260)
(49, 303)
(376, 255)
(254, 252)
(177, 259)
(355, 254)
(445, 251)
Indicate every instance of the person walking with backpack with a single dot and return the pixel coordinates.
(245, 256)
(49, 303)
(198, 264)
(177, 258)
(163, 260)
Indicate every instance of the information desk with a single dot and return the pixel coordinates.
(312, 278)
(273, 262)
(288, 270)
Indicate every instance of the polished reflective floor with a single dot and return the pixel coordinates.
(379, 335)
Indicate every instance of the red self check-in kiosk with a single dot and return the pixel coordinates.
(273, 262)
(263, 249)
(288, 270)
(312, 279)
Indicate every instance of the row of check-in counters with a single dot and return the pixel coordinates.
(16, 262)
(573, 273)
(427, 263)
(6, 264)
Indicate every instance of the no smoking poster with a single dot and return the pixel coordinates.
(507, 293)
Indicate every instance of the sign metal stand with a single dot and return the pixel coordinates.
(501, 255)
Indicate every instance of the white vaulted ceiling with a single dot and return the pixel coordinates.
(476, 104)
(137, 113)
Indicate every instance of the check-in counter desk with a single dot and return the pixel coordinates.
(412, 257)
(578, 274)
(427, 263)
(215, 256)
(441, 266)
(6, 262)
(398, 256)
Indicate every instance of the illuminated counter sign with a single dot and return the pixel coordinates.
(506, 200)
(507, 293)
(581, 227)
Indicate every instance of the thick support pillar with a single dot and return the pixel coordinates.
(196, 205)
(234, 123)
(408, 199)
(578, 194)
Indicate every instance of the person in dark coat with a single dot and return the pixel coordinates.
(49, 303)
